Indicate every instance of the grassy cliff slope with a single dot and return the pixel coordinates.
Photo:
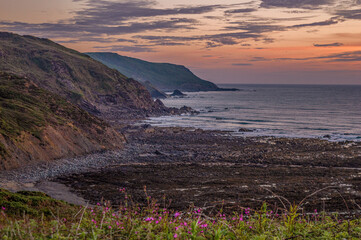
(37, 125)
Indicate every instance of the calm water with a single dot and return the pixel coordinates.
(275, 110)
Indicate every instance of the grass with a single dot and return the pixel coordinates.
(32, 204)
(45, 218)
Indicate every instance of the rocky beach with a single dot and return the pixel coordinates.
(182, 167)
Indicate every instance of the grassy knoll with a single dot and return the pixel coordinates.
(27, 215)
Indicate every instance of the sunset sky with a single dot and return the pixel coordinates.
(228, 41)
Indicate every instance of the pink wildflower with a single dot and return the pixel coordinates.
(204, 225)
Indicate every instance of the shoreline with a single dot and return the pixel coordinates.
(253, 132)
(185, 157)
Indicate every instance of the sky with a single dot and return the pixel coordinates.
(224, 41)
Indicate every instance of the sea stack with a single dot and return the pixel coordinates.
(177, 93)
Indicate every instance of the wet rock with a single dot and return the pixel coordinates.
(245, 130)
(145, 126)
(149, 130)
(158, 153)
(177, 93)
(186, 109)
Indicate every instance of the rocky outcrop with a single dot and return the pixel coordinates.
(177, 93)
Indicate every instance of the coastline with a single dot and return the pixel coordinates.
(205, 168)
(272, 110)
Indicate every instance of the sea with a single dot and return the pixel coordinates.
(331, 112)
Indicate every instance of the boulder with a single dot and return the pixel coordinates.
(244, 130)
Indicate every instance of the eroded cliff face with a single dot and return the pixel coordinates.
(75, 76)
(37, 126)
(56, 143)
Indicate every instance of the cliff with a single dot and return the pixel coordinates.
(37, 125)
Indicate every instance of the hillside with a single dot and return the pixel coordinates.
(37, 125)
(75, 76)
(164, 76)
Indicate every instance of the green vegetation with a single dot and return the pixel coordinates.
(32, 204)
(27, 215)
(163, 76)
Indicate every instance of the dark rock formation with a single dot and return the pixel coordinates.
(177, 93)
(245, 130)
